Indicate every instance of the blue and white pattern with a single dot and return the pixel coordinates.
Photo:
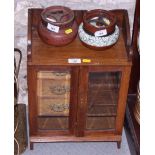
(98, 41)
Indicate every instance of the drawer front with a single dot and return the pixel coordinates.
(54, 88)
(54, 75)
(53, 107)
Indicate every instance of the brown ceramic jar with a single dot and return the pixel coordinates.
(57, 26)
(99, 20)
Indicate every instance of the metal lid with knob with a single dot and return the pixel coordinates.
(57, 26)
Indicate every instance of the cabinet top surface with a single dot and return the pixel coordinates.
(40, 53)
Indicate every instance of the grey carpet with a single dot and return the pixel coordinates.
(90, 148)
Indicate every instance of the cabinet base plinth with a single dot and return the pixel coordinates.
(50, 139)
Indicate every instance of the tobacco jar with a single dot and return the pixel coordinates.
(57, 26)
(98, 30)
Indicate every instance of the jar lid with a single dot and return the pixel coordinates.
(57, 15)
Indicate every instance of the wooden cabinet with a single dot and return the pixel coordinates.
(70, 101)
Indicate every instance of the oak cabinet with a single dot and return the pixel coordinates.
(75, 93)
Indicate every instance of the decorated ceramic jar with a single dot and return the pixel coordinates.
(98, 30)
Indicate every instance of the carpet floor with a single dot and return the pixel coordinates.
(85, 148)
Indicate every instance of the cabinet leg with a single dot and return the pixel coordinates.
(119, 144)
(31, 145)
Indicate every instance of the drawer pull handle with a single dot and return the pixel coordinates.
(60, 73)
(59, 107)
(59, 90)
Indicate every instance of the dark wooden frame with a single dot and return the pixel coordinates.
(135, 70)
(79, 81)
(132, 127)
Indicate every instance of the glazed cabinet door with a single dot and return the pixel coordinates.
(104, 101)
(54, 106)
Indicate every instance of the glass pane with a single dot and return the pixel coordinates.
(100, 123)
(53, 93)
(103, 93)
(52, 123)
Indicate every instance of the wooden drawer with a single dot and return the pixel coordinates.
(53, 88)
(53, 75)
(53, 107)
